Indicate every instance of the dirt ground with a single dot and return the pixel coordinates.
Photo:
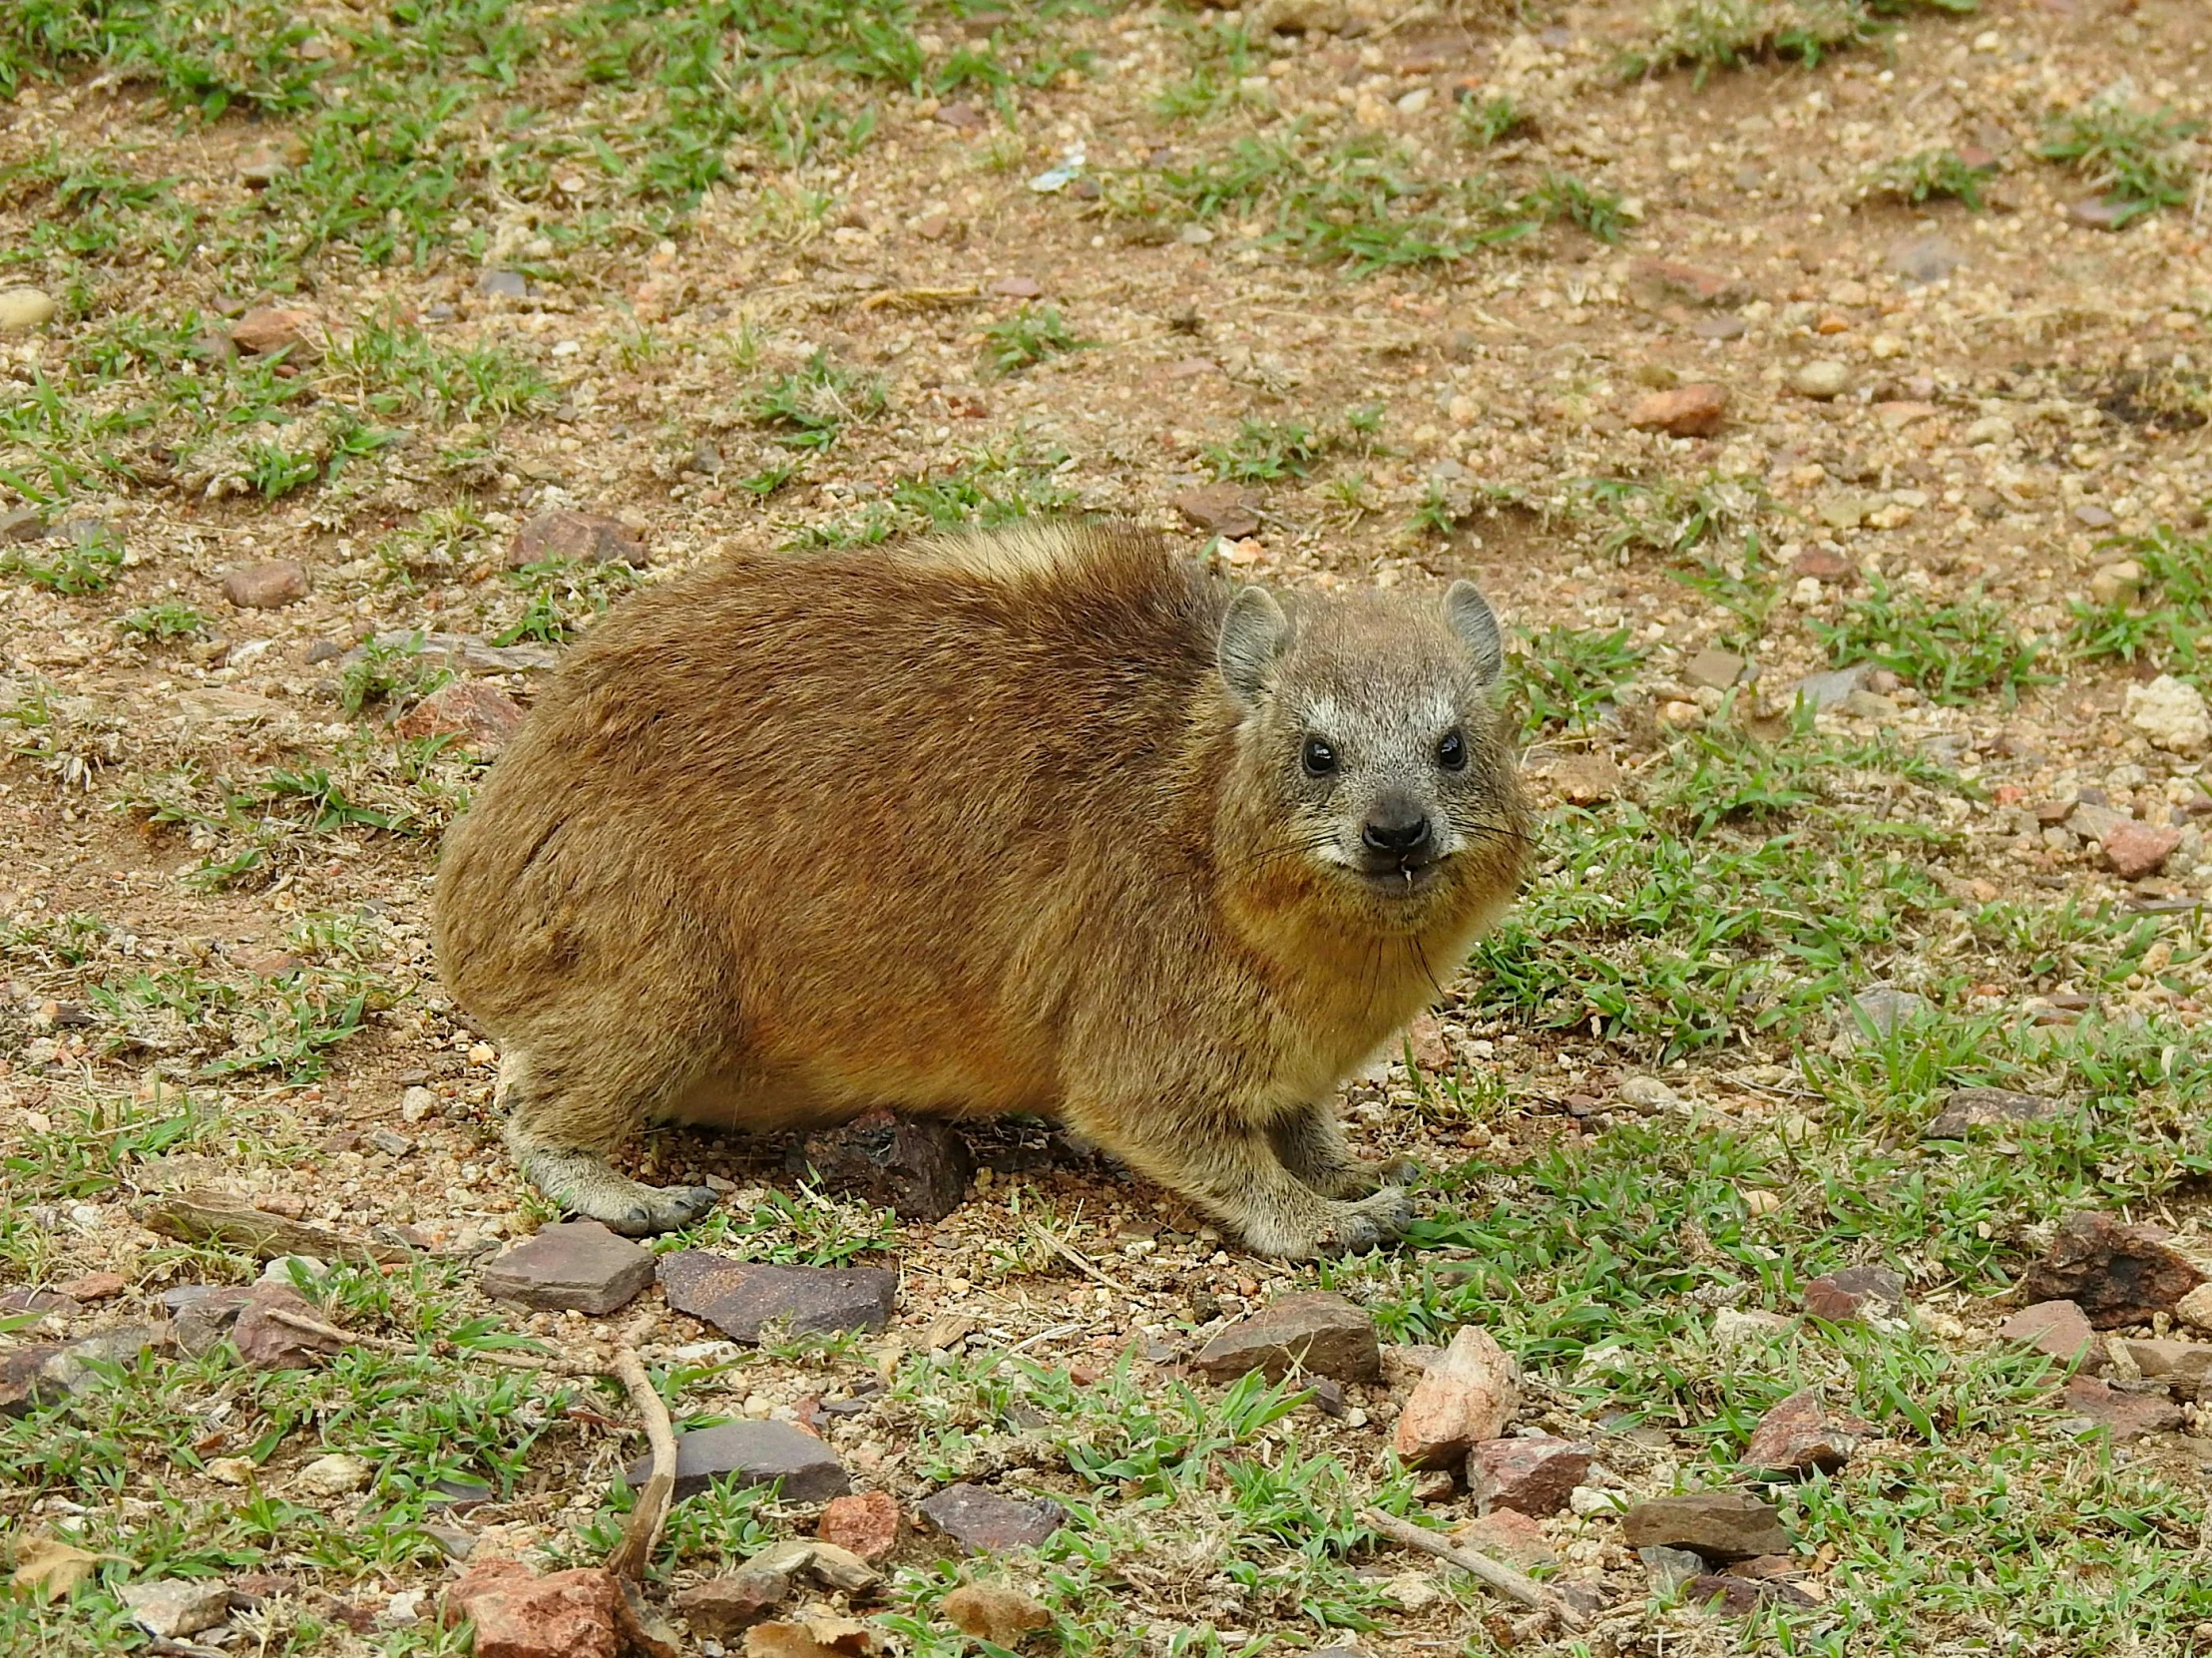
(1962, 448)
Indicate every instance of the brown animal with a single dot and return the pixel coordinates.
(1043, 821)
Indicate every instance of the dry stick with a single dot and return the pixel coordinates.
(635, 1552)
(1514, 1585)
(1076, 1258)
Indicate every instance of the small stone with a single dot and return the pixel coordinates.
(1735, 1326)
(1220, 510)
(1467, 1396)
(1317, 1333)
(95, 1286)
(867, 1523)
(962, 117)
(24, 524)
(1001, 1617)
(1723, 325)
(1693, 411)
(518, 1614)
(169, 1608)
(263, 164)
(2115, 1273)
(752, 1453)
(1646, 1093)
(1970, 1109)
(1716, 668)
(1414, 1591)
(1841, 1297)
(828, 1564)
(587, 537)
(1533, 1475)
(742, 1298)
(233, 1471)
(987, 1522)
(1820, 379)
(1658, 283)
(335, 1475)
(578, 1266)
(2104, 213)
(2184, 1367)
(1739, 1597)
(1670, 1569)
(2195, 1308)
(1880, 1009)
(1017, 287)
(2171, 712)
(814, 1635)
(2123, 1414)
(1720, 1525)
(2119, 583)
(2136, 850)
(1433, 1487)
(726, 1606)
(200, 1324)
(265, 587)
(2092, 822)
(1844, 512)
(264, 1344)
(2057, 1329)
(267, 329)
(2090, 516)
(481, 717)
(1586, 779)
(22, 309)
(1798, 1436)
(1510, 1535)
(1921, 260)
(917, 1167)
(1823, 692)
(503, 284)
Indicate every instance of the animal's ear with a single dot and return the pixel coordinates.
(1468, 612)
(1252, 634)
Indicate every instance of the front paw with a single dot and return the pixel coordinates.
(653, 1210)
(1336, 1228)
(1359, 1178)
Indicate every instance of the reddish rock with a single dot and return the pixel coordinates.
(480, 716)
(1510, 1535)
(2184, 1367)
(2115, 1273)
(578, 1266)
(1318, 1332)
(2123, 1414)
(917, 1167)
(271, 328)
(2136, 850)
(518, 1614)
(981, 1519)
(1017, 287)
(265, 587)
(1531, 1476)
(265, 1343)
(1469, 1394)
(1693, 411)
(32, 1378)
(1841, 1297)
(95, 1286)
(201, 1314)
(589, 538)
(1741, 1596)
(866, 1523)
(726, 1606)
(1000, 1616)
(1588, 779)
(1220, 510)
(1798, 1436)
(1720, 1525)
(2056, 1329)
(1821, 564)
(742, 1298)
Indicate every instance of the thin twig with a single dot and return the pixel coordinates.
(1076, 1258)
(1514, 1585)
(635, 1552)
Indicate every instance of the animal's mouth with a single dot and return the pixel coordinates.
(1401, 877)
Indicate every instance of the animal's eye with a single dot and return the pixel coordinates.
(1317, 757)
(1452, 751)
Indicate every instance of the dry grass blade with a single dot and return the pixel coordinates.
(1514, 1585)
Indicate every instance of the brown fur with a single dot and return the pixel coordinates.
(962, 827)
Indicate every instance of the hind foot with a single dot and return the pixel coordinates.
(583, 1183)
(1328, 1227)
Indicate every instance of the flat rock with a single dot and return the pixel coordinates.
(1739, 1597)
(1531, 1476)
(2104, 213)
(518, 1614)
(268, 586)
(32, 1378)
(1968, 1109)
(457, 650)
(726, 1606)
(586, 538)
(917, 1167)
(1467, 1396)
(24, 524)
(504, 284)
(201, 1319)
(832, 1566)
(2195, 1308)
(1798, 1436)
(481, 717)
(1720, 1525)
(1586, 779)
(1510, 1535)
(270, 329)
(742, 1298)
(1840, 1297)
(1661, 283)
(1919, 261)
(22, 309)
(987, 1522)
(174, 1607)
(2121, 1414)
(867, 1523)
(1000, 1616)
(1219, 510)
(578, 1266)
(95, 1286)
(265, 1343)
(2056, 1329)
(752, 1453)
(1821, 692)
(1881, 1008)
(1316, 1332)
(2136, 850)
(2115, 1273)
(1691, 411)
(337, 1474)
(2184, 1367)
(1714, 668)
(1670, 1569)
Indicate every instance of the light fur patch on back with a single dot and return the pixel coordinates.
(1014, 553)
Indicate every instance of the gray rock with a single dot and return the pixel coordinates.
(1880, 1009)
(1925, 258)
(983, 1520)
(917, 1167)
(32, 1378)
(1970, 1109)
(1720, 1525)
(1715, 668)
(171, 1608)
(725, 1607)
(752, 1453)
(202, 1314)
(1670, 1568)
(1820, 379)
(1316, 1332)
(1821, 692)
(739, 1298)
(505, 285)
(458, 650)
(578, 1266)
(24, 524)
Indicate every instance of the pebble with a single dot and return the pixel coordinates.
(480, 717)
(171, 1608)
(518, 1614)
(265, 587)
(1001, 1617)
(2195, 1308)
(267, 329)
(2122, 1414)
(335, 1475)
(2119, 583)
(1820, 379)
(866, 1523)
(1317, 1332)
(1720, 1525)
(1968, 1109)
(1714, 668)
(1798, 1436)
(1508, 1535)
(1588, 779)
(726, 1606)
(1219, 510)
(1693, 411)
(1921, 260)
(265, 1345)
(1840, 1297)
(2136, 850)
(1466, 1396)
(587, 537)
(2117, 1273)
(2171, 712)
(917, 1167)
(22, 309)
(1533, 1475)
(577, 1266)
(233, 1471)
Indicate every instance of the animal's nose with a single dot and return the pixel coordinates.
(1399, 829)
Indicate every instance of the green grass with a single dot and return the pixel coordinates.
(2135, 156)
(1706, 35)
(809, 408)
(1931, 176)
(2166, 625)
(163, 623)
(83, 565)
(989, 486)
(1029, 336)
(1951, 651)
(1562, 678)
(1488, 120)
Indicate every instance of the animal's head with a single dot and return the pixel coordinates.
(1370, 732)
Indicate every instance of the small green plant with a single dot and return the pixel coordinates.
(1951, 651)
(809, 408)
(2168, 617)
(163, 623)
(1704, 35)
(1931, 175)
(1673, 516)
(387, 672)
(1264, 451)
(1436, 514)
(561, 596)
(1562, 678)
(82, 565)
(1561, 196)
(1488, 120)
(1029, 336)
(2137, 157)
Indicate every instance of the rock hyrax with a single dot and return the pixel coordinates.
(1045, 820)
